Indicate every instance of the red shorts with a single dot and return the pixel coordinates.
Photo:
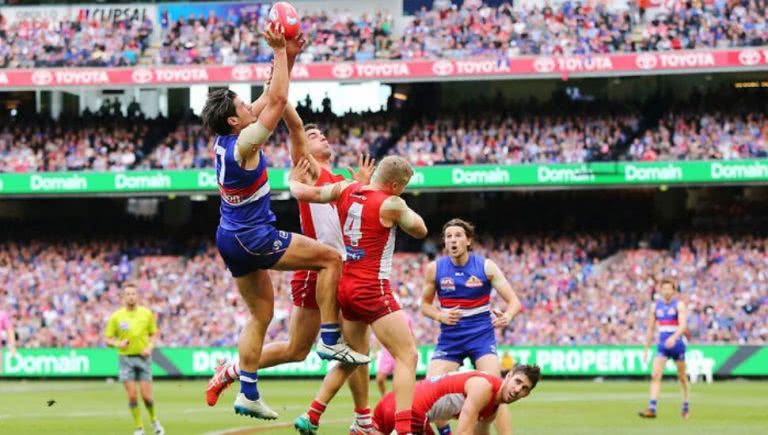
(384, 417)
(366, 301)
(303, 285)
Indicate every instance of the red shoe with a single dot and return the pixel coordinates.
(647, 414)
(218, 383)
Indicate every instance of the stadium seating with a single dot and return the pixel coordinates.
(446, 31)
(579, 289)
(110, 141)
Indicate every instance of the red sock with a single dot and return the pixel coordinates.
(363, 418)
(403, 422)
(316, 410)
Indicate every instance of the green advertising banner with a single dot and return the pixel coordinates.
(425, 178)
(554, 361)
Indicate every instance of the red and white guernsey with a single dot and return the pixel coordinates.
(320, 222)
(369, 244)
(442, 398)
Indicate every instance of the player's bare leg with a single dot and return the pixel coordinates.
(133, 406)
(439, 367)
(149, 403)
(308, 254)
(682, 375)
(393, 333)
(656, 375)
(490, 364)
(258, 294)
(381, 382)
(302, 332)
(356, 334)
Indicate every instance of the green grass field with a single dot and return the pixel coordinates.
(556, 407)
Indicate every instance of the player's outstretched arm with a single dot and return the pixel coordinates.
(254, 136)
(299, 143)
(504, 288)
(395, 210)
(306, 193)
(479, 394)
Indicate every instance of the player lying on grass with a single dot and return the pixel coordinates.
(370, 216)
(473, 397)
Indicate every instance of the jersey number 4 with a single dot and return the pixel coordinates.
(352, 223)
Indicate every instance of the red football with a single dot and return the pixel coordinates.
(285, 14)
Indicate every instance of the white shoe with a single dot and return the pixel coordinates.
(138, 432)
(158, 428)
(253, 408)
(341, 352)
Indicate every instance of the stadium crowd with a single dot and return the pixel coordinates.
(33, 43)
(472, 29)
(111, 141)
(576, 289)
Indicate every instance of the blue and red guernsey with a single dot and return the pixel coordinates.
(465, 287)
(245, 200)
(667, 317)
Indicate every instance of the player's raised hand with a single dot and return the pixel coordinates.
(365, 167)
(501, 319)
(451, 317)
(275, 36)
(294, 46)
(300, 171)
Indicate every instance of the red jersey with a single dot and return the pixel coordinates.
(320, 222)
(368, 243)
(442, 398)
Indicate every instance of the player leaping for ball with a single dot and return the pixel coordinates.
(473, 397)
(370, 216)
(246, 237)
(671, 316)
(320, 222)
(463, 282)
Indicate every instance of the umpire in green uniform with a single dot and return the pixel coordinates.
(130, 330)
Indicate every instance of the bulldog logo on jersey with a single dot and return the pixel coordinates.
(447, 284)
(473, 281)
(124, 326)
(671, 311)
(659, 313)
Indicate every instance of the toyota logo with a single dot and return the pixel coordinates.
(749, 57)
(544, 64)
(242, 73)
(646, 61)
(343, 71)
(442, 68)
(42, 78)
(141, 75)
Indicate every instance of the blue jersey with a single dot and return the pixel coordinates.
(244, 193)
(465, 287)
(667, 319)
(468, 289)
